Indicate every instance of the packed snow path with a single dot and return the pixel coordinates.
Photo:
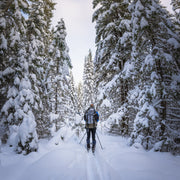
(69, 160)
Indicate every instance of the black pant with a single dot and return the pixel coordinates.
(89, 132)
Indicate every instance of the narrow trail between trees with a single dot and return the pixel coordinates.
(69, 160)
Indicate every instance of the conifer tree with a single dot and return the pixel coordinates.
(155, 60)
(113, 40)
(59, 78)
(79, 90)
(47, 7)
(36, 56)
(73, 92)
(88, 81)
(73, 104)
(17, 112)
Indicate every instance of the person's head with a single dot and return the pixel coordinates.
(92, 105)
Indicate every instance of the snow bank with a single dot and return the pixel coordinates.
(62, 135)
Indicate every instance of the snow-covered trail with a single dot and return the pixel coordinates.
(98, 168)
(70, 161)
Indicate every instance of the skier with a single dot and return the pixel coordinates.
(91, 117)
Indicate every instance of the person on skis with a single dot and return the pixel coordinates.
(91, 118)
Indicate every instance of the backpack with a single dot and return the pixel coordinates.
(90, 116)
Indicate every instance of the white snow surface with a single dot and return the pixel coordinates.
(69, 160)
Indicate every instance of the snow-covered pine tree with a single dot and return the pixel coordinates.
(79, 90)
(68, 110)
(43, 12)
(73, 101)
(36, 55)
(5, 22)
(155, 56)
(59, 80)
(73, 92)
(113, 34)
(17, 112)
(88, 81)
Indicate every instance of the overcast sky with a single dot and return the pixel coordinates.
(77, 15)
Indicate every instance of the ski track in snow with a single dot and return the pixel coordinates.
(95, 169)
(70, 161)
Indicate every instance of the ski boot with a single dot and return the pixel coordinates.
(93, 148)
(88, 147)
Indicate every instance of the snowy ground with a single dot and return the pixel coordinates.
(69, 160)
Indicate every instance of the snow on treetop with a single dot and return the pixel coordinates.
(173, 42)
(7, 71)
(143, 23)
(3, 44)
(139, 6)
(2, 22)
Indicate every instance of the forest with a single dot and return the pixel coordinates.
(133, 80)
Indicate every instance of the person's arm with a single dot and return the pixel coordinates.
(97, 116)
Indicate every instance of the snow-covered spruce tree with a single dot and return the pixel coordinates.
(43, 18)
(5, 23)
(88, 81)
(59, 80)
(113, 34)
(79, 90)
(73, 92)
(36, 55)
(68, 108)
(155, 75)
(17, 112)
(73, 104)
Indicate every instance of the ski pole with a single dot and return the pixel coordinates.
(99, 141)
(82, 138)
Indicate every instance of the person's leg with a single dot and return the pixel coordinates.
(91, 133)
(88, 138)
(94, 136)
